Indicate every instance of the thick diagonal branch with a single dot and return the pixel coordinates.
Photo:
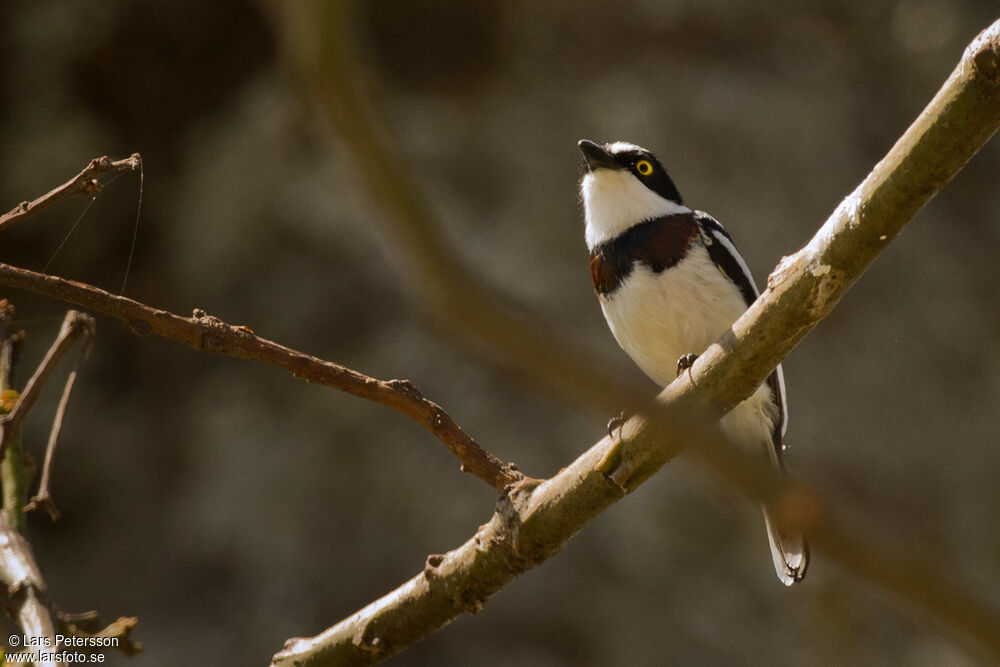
(534, 522)
(211, 334)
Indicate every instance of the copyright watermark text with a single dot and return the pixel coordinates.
(29, 649)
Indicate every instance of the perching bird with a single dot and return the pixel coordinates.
(670, 283)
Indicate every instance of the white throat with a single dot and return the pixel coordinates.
(614, 200)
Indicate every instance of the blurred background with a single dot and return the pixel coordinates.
(230, 506)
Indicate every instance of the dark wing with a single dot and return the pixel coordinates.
(723, 252)
(726, 257)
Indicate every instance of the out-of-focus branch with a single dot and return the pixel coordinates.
(533, 522)
(211, 334)
(455, 298)
(86, 181)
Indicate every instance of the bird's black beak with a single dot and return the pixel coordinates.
(597, 157)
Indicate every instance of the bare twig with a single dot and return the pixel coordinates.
(211, 334)
(121, 630)
(74, 325)
(86, 181)
(11, 345)
(79, 621)
(13, 474)
(88, 624)
(533, 522)
(43, 498)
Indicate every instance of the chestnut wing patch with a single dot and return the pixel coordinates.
(658, 243)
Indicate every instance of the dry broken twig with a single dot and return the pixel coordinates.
(86, 181)
(211, 334)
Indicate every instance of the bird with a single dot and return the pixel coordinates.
(670, 282)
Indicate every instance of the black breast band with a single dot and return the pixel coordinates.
(658, 243)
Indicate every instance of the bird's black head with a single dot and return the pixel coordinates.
(642, 164)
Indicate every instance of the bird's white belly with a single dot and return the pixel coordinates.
(658, 317)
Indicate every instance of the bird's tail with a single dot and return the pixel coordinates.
(790, 551)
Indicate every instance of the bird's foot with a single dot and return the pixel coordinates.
(685, 362)
(615, 424)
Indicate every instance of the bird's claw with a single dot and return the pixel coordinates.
(615, 424)
(685, 362)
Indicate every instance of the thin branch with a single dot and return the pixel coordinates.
(534, 521)
(86, 181)
(43, 498)
(74, 325)
(10, 349)
(14, 473)
(211, 334)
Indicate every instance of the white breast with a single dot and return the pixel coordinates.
(614, 200)
(657, 318)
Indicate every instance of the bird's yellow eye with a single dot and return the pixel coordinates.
(644, 167)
